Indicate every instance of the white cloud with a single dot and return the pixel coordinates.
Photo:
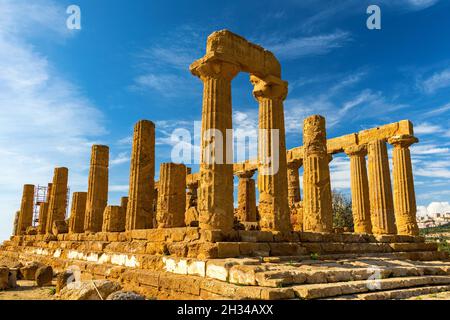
(121, 158)
(433, 208)
(427, 128)
(44, 119)
(299, 47)
(437, 81)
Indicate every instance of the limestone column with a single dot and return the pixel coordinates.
(215, 198)
(124, 204)
(246, 211)
(43, 211)
(97, 196)
(294, 182)
(142, 177)
(191, 215)
(113, 219)
(78, 212)
(58, 198)
(16, 224)
(317, 202)
(171, 195)
(380, 189)
(360, 189)
(272, 164)
(404, 195)
(26, 209)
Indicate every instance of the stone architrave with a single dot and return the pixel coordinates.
(246, 210)
(360, 189)
(58, 198)
(77, 212)
(405, 207)
(215, 196)
(380, 189)
(171, 195)
(317, 202)
(273, 206)
(140, 210)
(97, 196)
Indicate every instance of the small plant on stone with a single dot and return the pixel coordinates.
(52, 291)
(315, 256)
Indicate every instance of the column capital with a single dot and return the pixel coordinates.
(247, 174)
(358, 150)
(269, 87)
(403, 141)
(207, 69)
(295, 164)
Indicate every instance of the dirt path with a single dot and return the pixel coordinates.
(28, 290)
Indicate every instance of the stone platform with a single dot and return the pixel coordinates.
(186, 263)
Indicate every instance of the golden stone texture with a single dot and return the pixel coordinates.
(26, 209)
(360, 189)
(77, 212)
(273, 207)
(317, 207)
(380, 189)
(215, 196)
(404, 196)
(16, 224)
(114, 219)
(142, 177)
(191, 215)
(97, 197)
(43, 211)
(58, 198)
(171, 195)
(124, 204)
(246, 210)
(294, 182)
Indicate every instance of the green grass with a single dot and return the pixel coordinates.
(440, 229)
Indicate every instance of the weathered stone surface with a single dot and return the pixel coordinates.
(380, 189)
(60, 227)
(404, 195)
(77, 212)
(63, 278)
(28, 271)
(125, 295)
(89, 290)
(246, 210)
(273, 206)
(114, 219)
(171, 196)
(16, 224)
(26, 209)
(140, 209)
(317, 209)
(44, 276)
(97, 196)
(4, 278)
(58, 198)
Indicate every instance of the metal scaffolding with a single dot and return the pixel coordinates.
(40, 196)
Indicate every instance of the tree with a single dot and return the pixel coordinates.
(342, 210)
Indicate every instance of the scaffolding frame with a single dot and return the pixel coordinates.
(40, 196)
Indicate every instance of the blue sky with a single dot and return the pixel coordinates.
(63, 90)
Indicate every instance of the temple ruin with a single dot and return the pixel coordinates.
(182, 237)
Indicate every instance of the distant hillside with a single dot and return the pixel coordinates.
(441, 229)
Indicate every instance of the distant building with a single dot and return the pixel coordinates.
(433, 220)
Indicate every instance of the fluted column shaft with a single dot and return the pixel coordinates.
(58, 198)
(246, 211)
(16, 224)
(171, 195)
(404, 195)
(77, 212)
(26, 209)
(317, 203)
(360, 189)
(140, 209)
(380, 189)
(294, 182)
(97, 196)
(215, 197)
(272, 164)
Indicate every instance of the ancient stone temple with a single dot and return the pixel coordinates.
(186, 236)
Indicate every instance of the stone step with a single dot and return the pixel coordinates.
(396, 294)
(320, 291)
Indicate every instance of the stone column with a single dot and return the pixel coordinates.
(77, 212)
(246, 211)
(404, 195)
(380, 189)
(97, 197)
(215, 198)
(43, 211)
(16, 224)
(191, 215)
(113, 219)
(272, 164)
(317, 203)
(142, 177)
(171, 195)
(124, 204)
(58, 198)
(294, 182)
(360, 189)
(26, 209)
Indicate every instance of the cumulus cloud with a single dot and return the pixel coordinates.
(433, 208)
